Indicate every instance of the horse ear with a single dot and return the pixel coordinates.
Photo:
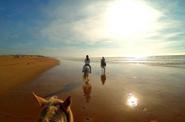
(40, 100)
(67, 102)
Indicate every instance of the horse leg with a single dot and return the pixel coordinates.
(104, 69)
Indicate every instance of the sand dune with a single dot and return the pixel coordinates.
(17, 69)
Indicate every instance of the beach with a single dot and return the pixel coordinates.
(17, 69)
(127, 92)
(92, 60)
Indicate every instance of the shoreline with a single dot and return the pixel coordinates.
(18, 69)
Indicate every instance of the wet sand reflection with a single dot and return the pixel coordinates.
(132, 100)
(125, 93)
(87, 88)
(103, 77)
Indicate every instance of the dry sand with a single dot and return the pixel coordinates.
(17, 69)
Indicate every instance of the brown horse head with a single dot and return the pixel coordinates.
(54, 109)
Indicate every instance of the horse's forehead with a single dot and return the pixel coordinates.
(55, 100)
(51, 104)
(50, 111)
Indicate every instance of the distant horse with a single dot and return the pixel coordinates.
(86, 71)
(54, 109)
(103, 65)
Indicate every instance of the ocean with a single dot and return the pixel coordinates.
(158, 60)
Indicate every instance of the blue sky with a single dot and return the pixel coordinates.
(77, 28)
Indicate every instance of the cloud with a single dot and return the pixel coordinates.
(84, 23)
(79, 24)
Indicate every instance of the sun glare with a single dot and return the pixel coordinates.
(132, 101)
(129, 18)
(129, 22)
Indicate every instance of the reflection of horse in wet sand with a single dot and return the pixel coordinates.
(87, 88)
(54, 109)
(103, 78)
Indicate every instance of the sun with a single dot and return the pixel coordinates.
(129, 18)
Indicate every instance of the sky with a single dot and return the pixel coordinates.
(95, 27)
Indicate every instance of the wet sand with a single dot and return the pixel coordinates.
(156, 94)
(16, 69)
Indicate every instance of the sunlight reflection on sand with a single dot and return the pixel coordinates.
(132, 100)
